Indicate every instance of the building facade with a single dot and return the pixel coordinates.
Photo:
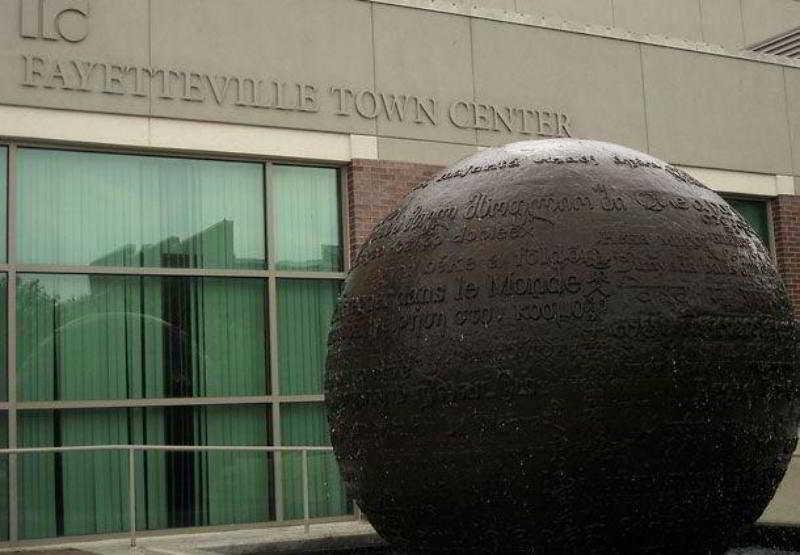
(185, 182)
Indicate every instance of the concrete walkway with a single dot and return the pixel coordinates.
(339, 537)
(289, 539)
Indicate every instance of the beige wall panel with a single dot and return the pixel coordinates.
(766, 18)
(722, 23)
(115, 33)
(716, 112)
(596, 82)
(793, 96)
(423, 152)
(421, 57)
(785, 506)
(592, 12)
(297, 42)
(504, 5)
(677, 18)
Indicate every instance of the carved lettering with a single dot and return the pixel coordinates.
(34, 68)
(84, 72)
(219, 87)
(113, 79)
(56, 78)
(269, 93)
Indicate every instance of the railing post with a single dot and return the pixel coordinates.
(132, 494)
(306, 522)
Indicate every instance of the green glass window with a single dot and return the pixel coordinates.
(3, 200)
(3, 337)
(755, 212)
(137, 338)
(84, 208)
(307, 219)
(86, 493)
(306, 424)
(305, 309)
(4, 478)
(131, 337)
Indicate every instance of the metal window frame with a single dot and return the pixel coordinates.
(269, 275)
(766, 201)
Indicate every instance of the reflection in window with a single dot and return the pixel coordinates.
(305, 309)
(755, 213)
(3, 200)
(87, 493)
(130, 337)
(4, 478)
(84, 337)
(306, 424)
(3, 337)
(84, 208)
(307, 219)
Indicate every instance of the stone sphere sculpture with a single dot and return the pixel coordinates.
(563, 345)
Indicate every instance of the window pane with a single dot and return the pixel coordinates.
(305, 309)
(307, 219)
(83, 208)
(3, 337)
(755, 213)
(87, 493)
(305, 424)
(3, 478)
(3, 200)
(128, 337)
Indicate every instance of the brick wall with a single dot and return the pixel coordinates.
(374, 188)
(786, 225)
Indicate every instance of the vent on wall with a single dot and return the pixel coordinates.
(785, 44)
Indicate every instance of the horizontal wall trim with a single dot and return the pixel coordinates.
(743, 183)
(145, 132)
(141, 132)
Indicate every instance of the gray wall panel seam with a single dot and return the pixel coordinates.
(149, 61)
(644, 99)
(613, 13)
(700, 13)
(741, 23)
(794, 169)
(374, 67)
(470, 23)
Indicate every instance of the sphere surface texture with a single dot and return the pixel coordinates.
(566, 345)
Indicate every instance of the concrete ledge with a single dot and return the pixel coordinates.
(341, 537)
(322, 538)
(120, 131)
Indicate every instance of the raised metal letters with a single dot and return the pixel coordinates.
(567, 346)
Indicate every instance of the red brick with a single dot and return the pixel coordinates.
(375, 188)
(786, 223)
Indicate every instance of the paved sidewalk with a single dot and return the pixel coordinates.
(339, 537)
(290, 539)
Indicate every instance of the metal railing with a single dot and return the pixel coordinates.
(132, 449)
